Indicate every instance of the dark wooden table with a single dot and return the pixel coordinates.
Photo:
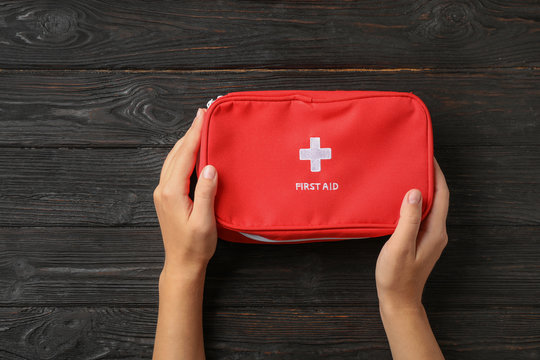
(93, 94)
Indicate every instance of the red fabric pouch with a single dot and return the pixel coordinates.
(303, 166)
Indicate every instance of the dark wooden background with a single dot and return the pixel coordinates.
(93, 94)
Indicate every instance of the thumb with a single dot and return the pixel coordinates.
(205, 192)
(410, 216)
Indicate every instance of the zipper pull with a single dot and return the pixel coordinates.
(211, 101)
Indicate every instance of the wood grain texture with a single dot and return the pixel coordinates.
(93, 94)
(229, 34)
(113, 187)
(484, 266)
(260, 333)
(155, 109)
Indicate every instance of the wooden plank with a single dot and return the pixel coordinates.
(133, 109)
(483, 266)
(111, 187)
(193, 35)
(261, 333)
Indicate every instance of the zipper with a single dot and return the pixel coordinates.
(211, 101)
(263, 96)
(303, 97)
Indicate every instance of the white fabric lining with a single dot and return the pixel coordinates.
(263, 239)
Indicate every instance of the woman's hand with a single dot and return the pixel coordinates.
(188, 227)
(189, 235)
(407, 258)
(403, 266)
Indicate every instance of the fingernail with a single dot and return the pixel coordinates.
(199, 112)
(414, 196)
(209, 172)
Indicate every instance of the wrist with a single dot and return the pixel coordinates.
(182, 272)
(393, 309)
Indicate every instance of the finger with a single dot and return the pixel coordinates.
(166, 164)
(436, 219)
(205, 193)
(434, 237)
(183, 161)
(404, 236)
(179, 143)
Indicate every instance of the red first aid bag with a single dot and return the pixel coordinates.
(303, 166)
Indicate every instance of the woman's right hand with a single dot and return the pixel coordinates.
(407, 258)
(403, 266)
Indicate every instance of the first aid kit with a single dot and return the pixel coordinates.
(298, 166)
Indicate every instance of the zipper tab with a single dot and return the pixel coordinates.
(211, 101)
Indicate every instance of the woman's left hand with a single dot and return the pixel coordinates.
(188, 227)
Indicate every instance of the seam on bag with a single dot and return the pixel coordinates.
(281, 227)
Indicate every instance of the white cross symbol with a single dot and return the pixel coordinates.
(315, 154)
